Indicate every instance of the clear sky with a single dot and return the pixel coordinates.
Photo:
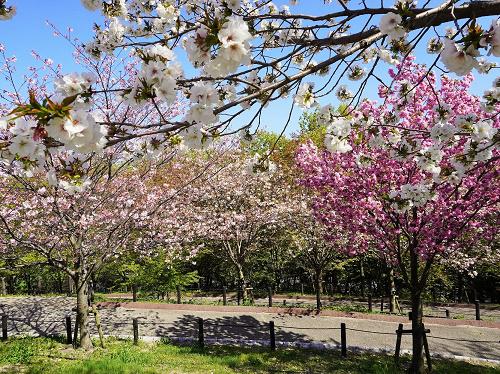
(28, 31)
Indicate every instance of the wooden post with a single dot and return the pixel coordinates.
(343, 340)
(135, 324)
(399, 334)
(98, 324)
(370, 302)
(272, 336)
(178, 294)
(270, 295)
(4, 327)
(302, 288)
(224, 295)
(447, 311)
(69, 336)
(75, 333)
(426, 349)
(381, 304)
(478, 312)
(201, 337)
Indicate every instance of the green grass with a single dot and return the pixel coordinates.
(43, 355)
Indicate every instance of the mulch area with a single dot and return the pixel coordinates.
(294, 311)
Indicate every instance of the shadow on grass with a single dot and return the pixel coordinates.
(121, 356)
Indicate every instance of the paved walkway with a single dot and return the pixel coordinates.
(46, 315)
(460, 311)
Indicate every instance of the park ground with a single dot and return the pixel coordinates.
(475, 343)
(44, 355)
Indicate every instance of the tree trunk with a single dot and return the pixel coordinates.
(363, 281)
(392, 285)
(3, 286)
(39, 286)
(71, 286)
(460, 291)
(134, 293)
(417, 363)
(317, 285)
(242, 282)
(82, 314)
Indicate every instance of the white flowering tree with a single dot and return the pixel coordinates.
(230, 208)
(75, 231)
(245, 55)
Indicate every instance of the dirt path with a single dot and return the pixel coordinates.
(43, 316)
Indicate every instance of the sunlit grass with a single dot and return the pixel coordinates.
(43, 355)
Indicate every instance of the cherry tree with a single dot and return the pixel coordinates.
(245, 55)
(233, 208)
(416, 196)
(315, 246)
(76, 230)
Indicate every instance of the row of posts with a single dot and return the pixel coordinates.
(272, 335)
(270, 301)
(135, 323)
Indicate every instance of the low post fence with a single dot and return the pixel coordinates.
(272, 336)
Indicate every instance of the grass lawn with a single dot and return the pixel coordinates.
(44, 355)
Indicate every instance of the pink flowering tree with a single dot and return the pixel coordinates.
(413, 175)
(77, 230)
(233, 209)
(315, 246)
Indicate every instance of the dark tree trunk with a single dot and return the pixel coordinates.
(71, 286)
(82, 313)
(317, 285)
(363, 281)
(134, 293)
(417, 363)
(392, 290)
(3, 286)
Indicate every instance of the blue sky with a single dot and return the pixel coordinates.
(28, 31)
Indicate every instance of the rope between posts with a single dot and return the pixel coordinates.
(463, 340)
(372, 332)
(307, 328)
(207, 323)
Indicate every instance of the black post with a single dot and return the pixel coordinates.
(224, 295)
(447, 311)
(4, 327)
(178, 294)
(69, 335)
(135, 324)
(272, 336)
(399, 334)
(343, 339)
(381, 304)
(201, 337)
(410, 316)
(370, 302)
(239, 296)
(270, 294)
(478, 312)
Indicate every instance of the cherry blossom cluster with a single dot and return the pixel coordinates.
(246, 54)
(423, 165)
